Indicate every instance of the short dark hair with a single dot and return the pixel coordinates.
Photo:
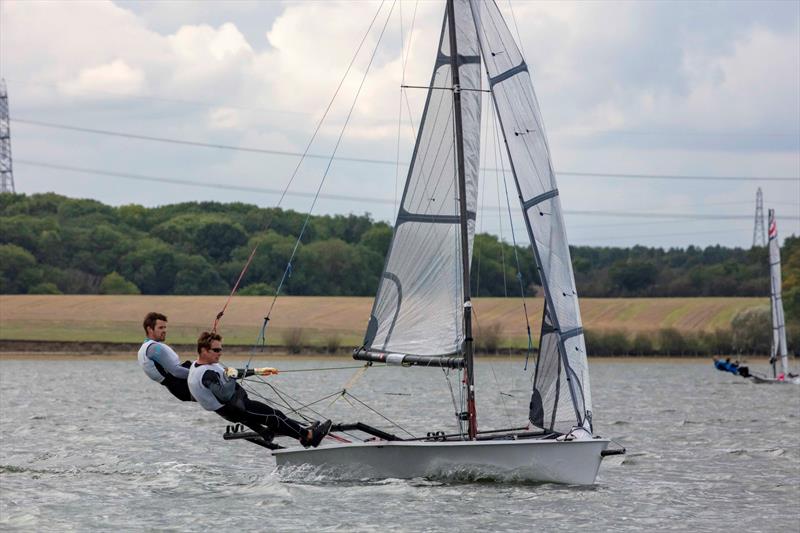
(150, 320)
(206, 338)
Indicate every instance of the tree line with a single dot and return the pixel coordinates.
(53, 244)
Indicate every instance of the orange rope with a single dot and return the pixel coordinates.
(235, 288)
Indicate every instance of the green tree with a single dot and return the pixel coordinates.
(152, 265)
(335, 267)
(258, 289)
(45, 287)
(752, 331)
(113, 283)
(377, 238)
(194, 275)
(632, 276)
(17, 269)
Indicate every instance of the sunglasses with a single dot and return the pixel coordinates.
(216, 350)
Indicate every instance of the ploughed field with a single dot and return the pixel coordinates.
(326, 321)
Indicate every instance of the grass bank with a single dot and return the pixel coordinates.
(334, 323)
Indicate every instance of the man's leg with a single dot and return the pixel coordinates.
(275, 420)
(178, 387)
(237, 416)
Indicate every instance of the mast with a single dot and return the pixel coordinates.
(778, 347)
(462, 201)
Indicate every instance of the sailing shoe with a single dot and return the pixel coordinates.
(319, 432)
(304, 439)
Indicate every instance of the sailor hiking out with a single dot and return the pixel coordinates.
(214, 387)
(159, 361)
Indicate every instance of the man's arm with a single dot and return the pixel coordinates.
(222, 390)
(156, 353)
(239, 373)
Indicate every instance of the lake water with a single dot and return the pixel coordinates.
(95, 445)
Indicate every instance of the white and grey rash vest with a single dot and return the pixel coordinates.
(211, 391)
(156, 358)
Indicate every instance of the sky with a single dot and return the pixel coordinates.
(647, 105)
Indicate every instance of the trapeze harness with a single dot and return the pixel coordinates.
(162, 364)
(215, 391)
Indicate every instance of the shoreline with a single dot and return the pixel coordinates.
(71, 350)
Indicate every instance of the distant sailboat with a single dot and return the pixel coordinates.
(778, 347)
(422, 313)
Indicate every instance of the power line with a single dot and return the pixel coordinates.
(198, 144)
(677, 177)
(343, 197)
(215, 105)
(220, 146)
(650, 235)
(193, 183)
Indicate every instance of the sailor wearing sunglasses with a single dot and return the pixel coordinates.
(214, 387)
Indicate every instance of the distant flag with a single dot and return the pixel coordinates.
(773, 227)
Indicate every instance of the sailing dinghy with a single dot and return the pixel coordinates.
(422, 312)
(778, 348)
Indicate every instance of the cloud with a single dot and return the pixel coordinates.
(637, 87)
(115, 78)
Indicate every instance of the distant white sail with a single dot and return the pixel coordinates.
(561, 392)
(778, 348)
(418, 309)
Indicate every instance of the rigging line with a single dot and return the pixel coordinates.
(400, 108)
(330, 104)
(443, 88)
(484, 134)
(297, 168)
(345, 393)
(322, 369)
(499, 159)
(516, 28)
(283, 404)
(519, 268)
(286, 404)
(327, 168)
(456, 408)
(536, 115)
(502, 397)
(233, 291)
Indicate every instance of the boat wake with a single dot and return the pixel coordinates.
(326, 474)
(768, 452)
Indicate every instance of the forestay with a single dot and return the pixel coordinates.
(561, 393)
(418, 309)
(778, 348)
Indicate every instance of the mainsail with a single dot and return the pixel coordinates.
(778, 348)
(561, 394)
(418, 309)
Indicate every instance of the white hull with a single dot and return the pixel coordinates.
(773, 381)
(572, 462)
